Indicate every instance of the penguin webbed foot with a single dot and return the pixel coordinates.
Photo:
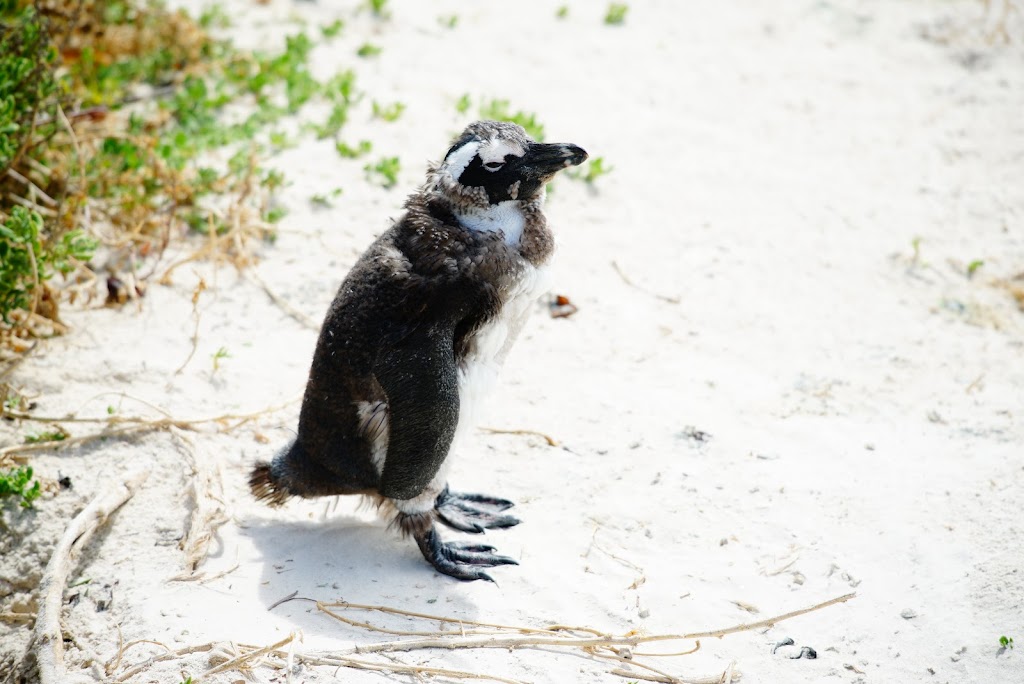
(461, 560)
(473, 512)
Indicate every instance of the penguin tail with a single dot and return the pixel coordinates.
(264, 487)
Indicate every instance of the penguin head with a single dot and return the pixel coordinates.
(495, 161)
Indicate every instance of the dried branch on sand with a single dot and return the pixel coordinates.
(48, 641)
(466, 634)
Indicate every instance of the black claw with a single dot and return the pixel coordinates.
(493, 501)
(460, 560)
(470, 546)
(473, 512)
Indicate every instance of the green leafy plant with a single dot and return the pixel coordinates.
(1006, 642)
(594, 170)
(369, 50)
(463, 104)
(214, 16)
(390, 112)
(55, 435)
(325, 201)
(499, 110)
(361, 149)
(28, 86)
(379, 8)
(16, 483)
(28, 259)
(562, 12)
(616, 14)
(973, 267)
(332, 30)
(384, 171)
(219, 356)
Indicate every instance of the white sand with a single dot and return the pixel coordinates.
(773, 164)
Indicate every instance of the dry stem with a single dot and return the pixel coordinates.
(282, 303)
(626, 279)
(208, 513)
(48, 641)
(132, 425)
(499, 431)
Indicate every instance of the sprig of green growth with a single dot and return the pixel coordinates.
(213, 16)
(332, 30)
(499, 110)
(448, 21)
(219, 356)
(594, 170)
(325, 201)
(562, 12)
(16, 483)
(369, 50)
(973, 267)
(384, 172)
(379, 8)
(1006, 642)
(463, 104)
(361, 149)
(390, 112)
(616, 15)
(29, 258)
(58, 434)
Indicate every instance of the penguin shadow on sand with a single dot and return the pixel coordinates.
(345, 557)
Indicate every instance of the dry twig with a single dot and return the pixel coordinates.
(282, 303)
(48, 641)
(131, 425)
(626, 279)
(208, 513)
(499, 431)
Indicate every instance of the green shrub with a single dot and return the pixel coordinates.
(16, 483)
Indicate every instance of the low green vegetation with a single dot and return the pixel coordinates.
(391, 112)
(1006, 642)
(28, 259)
(332, 30)
(18, 483)
(384, 172)
(594, 169)
(500, 110)
(348, 152)
(56, 434)
(616, 14)
(369, 50)
(379, 8)
(218, 356)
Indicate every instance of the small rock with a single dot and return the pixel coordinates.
(908, 614)
(644, 613)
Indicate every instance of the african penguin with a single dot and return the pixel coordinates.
(417, 332)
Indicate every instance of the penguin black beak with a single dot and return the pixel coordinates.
(543, 160)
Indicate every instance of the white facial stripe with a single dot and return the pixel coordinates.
(497, 150)
(460, 158)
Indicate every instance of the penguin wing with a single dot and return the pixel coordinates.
(418, 375)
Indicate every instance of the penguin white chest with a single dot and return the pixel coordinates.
(479, 369)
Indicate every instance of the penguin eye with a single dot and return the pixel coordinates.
(493, 166)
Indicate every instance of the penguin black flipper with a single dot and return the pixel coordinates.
(420, 380)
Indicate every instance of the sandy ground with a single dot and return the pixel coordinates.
(780, 387)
